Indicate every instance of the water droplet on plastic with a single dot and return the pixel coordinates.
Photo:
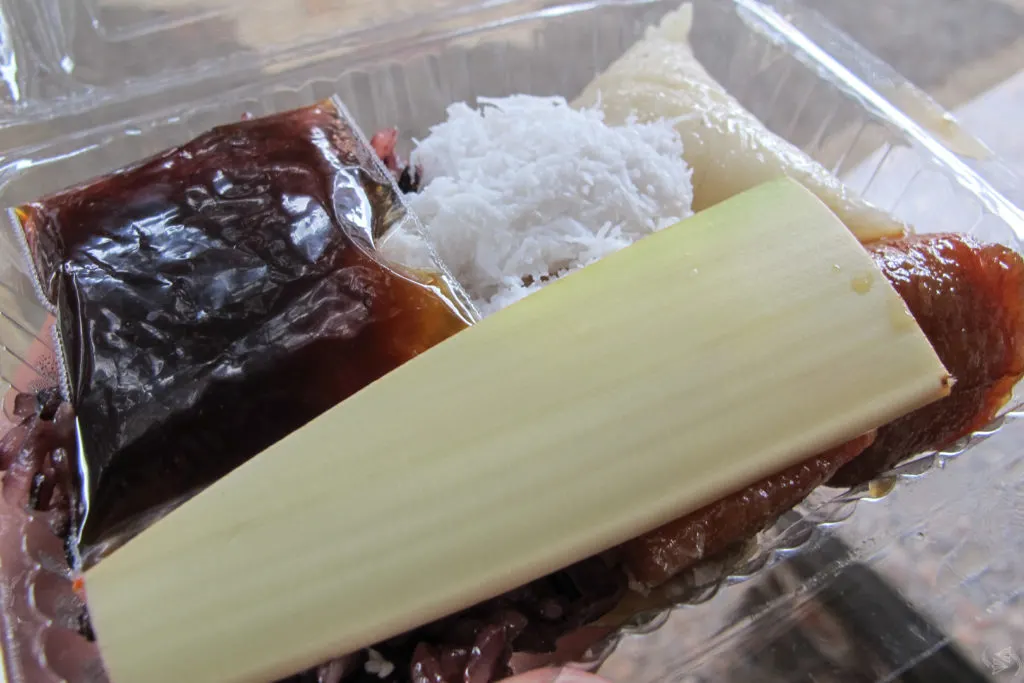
(880, 488)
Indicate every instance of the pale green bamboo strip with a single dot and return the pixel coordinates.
(692, 363)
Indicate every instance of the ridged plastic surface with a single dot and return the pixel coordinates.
(833, 104)
(59, 57)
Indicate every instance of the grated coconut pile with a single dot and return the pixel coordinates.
(526, 189)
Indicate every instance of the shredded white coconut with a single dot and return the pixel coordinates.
(377, 665)
(526, 189)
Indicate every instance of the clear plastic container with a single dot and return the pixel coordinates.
(69, 114)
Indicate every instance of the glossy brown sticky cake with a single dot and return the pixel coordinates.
(968, 298)
(656, 557)
(217, 297)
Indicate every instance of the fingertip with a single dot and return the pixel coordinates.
(564, 675)
(576, 676)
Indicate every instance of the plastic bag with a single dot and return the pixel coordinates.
(216, 297)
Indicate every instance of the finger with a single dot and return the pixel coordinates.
(566, 675)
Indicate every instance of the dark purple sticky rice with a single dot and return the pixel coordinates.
(472, 646)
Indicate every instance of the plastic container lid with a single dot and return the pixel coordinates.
(62, 57)
(89, 85)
